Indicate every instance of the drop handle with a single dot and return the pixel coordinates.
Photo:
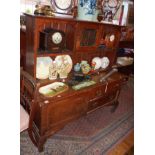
(117, 85)
(95, 103)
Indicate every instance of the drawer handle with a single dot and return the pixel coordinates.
(95, 103)
(116, 85)
(99, 93)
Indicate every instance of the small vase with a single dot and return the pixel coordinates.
(53, 71)
(77, 67)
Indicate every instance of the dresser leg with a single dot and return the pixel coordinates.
(114, 107)
(40, 148)
(41, 144)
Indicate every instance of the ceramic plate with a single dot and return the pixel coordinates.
(42, 68)
(105, 62)
(97, 62)
(64, 63)
(124, 61)
(53, 89)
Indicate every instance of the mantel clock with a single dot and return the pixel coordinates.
(52, 40)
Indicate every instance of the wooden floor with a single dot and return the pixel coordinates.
(126, 147)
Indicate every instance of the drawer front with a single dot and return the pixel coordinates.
(97, 93)
(112, 87)
(107, 99)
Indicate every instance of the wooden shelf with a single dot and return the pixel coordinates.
(126, 44)
(45, 54)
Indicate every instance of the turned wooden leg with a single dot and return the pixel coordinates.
(114, 107)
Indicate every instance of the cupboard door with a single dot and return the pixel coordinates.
(65, 110)
(88, 36)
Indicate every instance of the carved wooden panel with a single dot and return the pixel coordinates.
(58, 113)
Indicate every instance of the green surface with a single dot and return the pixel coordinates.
(84, 84)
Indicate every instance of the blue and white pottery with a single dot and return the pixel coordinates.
(87, 10)
(77, 67)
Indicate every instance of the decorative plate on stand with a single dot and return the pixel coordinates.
(96, 61)
(64, 65)
(105, 62)
(42, 68)
(53, 89)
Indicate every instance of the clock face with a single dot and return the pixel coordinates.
(63, 4)
(57, 37)
(112, 37)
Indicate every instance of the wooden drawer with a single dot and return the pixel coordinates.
(97, 92)
(107, 99)
(113, 86)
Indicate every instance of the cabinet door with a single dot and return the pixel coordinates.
(88, 36)
(65, 110)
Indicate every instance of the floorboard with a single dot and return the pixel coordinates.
(125, 147)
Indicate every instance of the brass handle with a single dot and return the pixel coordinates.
(95, 103)
(99, 93)
(116, 85)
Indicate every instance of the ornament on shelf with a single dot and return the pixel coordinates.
(96, 63)
(85, 67)
(105, 62)
(87, 10)
(42, 67)
(53, 71)
(64, 65)
(77, 67)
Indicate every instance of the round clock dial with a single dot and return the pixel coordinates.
(63, 4)
(112, 37)
(57, 37)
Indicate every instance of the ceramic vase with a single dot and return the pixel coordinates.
(87, 10)
(53, 71)
(85, 67)
(77, 67)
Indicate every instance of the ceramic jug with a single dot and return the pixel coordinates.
(77, 67)
(87, 10)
